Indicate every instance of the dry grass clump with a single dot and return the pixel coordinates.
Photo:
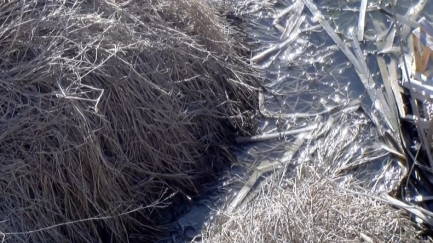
(331, 192)
(106, 108)
(313, 208)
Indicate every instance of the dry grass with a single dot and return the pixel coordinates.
(313, 209)
(108, 107)
(330, 193)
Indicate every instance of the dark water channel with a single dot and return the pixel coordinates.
(310, 75)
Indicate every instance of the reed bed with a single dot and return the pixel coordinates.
(110, 112)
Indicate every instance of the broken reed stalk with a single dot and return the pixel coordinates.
(361, 19)
(264, 137)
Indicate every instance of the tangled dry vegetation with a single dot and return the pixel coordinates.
(313, 209)
(107, 109)
(331, 192)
